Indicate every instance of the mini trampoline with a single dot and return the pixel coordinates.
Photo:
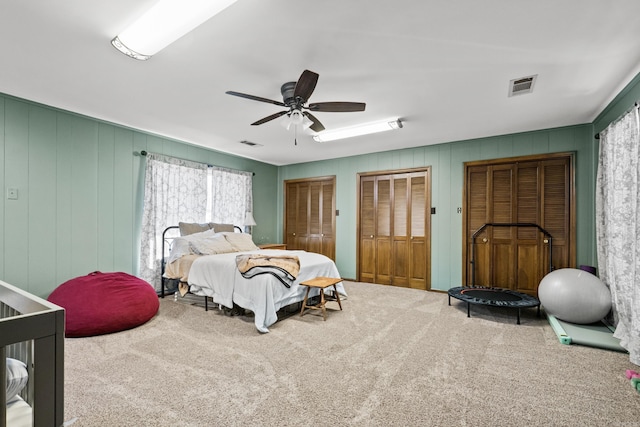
(497, 297)
(494, 297)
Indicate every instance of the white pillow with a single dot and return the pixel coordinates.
(17, 377)
(181, 246)
(211, 246)
(241, 241)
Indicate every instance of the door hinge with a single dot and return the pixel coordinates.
(433, 211)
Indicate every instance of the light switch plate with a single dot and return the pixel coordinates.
(12, 193)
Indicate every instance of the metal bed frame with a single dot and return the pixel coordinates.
(167, 240)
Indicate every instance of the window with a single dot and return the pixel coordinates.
(179, 190)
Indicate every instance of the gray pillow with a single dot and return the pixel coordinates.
(17, 377)
(187, 228)
(222, 227)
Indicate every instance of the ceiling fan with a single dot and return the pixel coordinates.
(295, 95)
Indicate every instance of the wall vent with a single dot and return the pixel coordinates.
(522, 85)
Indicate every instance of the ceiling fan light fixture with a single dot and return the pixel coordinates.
(164, 23)
(364, 129)
(296, 119)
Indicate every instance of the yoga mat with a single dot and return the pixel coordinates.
(596, 334)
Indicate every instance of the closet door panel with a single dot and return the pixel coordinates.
(367, 261)
(556, 200)
(327, 223)
(528, 261)
(291, 206)
(302, 224)
(314, 238)
(477, 215)
(501, 208)
(367, 231)
(400, 253)
(503, 268)
(383, 231)
(383, 261)
(419, 215)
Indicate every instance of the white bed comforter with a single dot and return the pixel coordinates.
(217, 276)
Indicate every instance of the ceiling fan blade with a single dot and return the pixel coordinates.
(306, 85)
(269, 118)
(254, 98)
(337, 107)
(316, 126)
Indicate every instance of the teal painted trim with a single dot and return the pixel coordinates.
(562, 335)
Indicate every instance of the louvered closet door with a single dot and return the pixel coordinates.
(419, 218)
(310, 215)
(383, 231)
(537, 192)
(301, 225)
(393, 238)
(320, 238)
(367, 258)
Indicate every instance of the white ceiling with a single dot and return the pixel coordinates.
(443, 67)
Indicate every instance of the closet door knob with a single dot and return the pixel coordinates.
(371, 236)
(484, 240)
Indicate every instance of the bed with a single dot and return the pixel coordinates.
(32, 352)
(209, 268)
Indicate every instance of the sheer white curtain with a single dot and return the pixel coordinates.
(230, 195)
(618, 225)
(174, 190)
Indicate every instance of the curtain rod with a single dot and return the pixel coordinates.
(635, 104)
(144, 153)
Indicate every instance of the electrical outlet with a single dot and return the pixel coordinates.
(12, 193)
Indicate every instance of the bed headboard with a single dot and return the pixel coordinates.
(32, 330)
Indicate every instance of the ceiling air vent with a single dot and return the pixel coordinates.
(522, 85)
(251, 144)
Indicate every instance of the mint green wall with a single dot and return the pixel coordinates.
(80, 193)
(80, 190)
(447, 167)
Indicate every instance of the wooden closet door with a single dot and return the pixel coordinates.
(367, 258)
(320, 238)
(536, 191)
(383, 231)
(400, 251)
(310, 215)
(394, 218)
(419, 220)
(328, 220)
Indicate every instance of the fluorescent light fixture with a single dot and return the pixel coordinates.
(364, 129)
(164, 23)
